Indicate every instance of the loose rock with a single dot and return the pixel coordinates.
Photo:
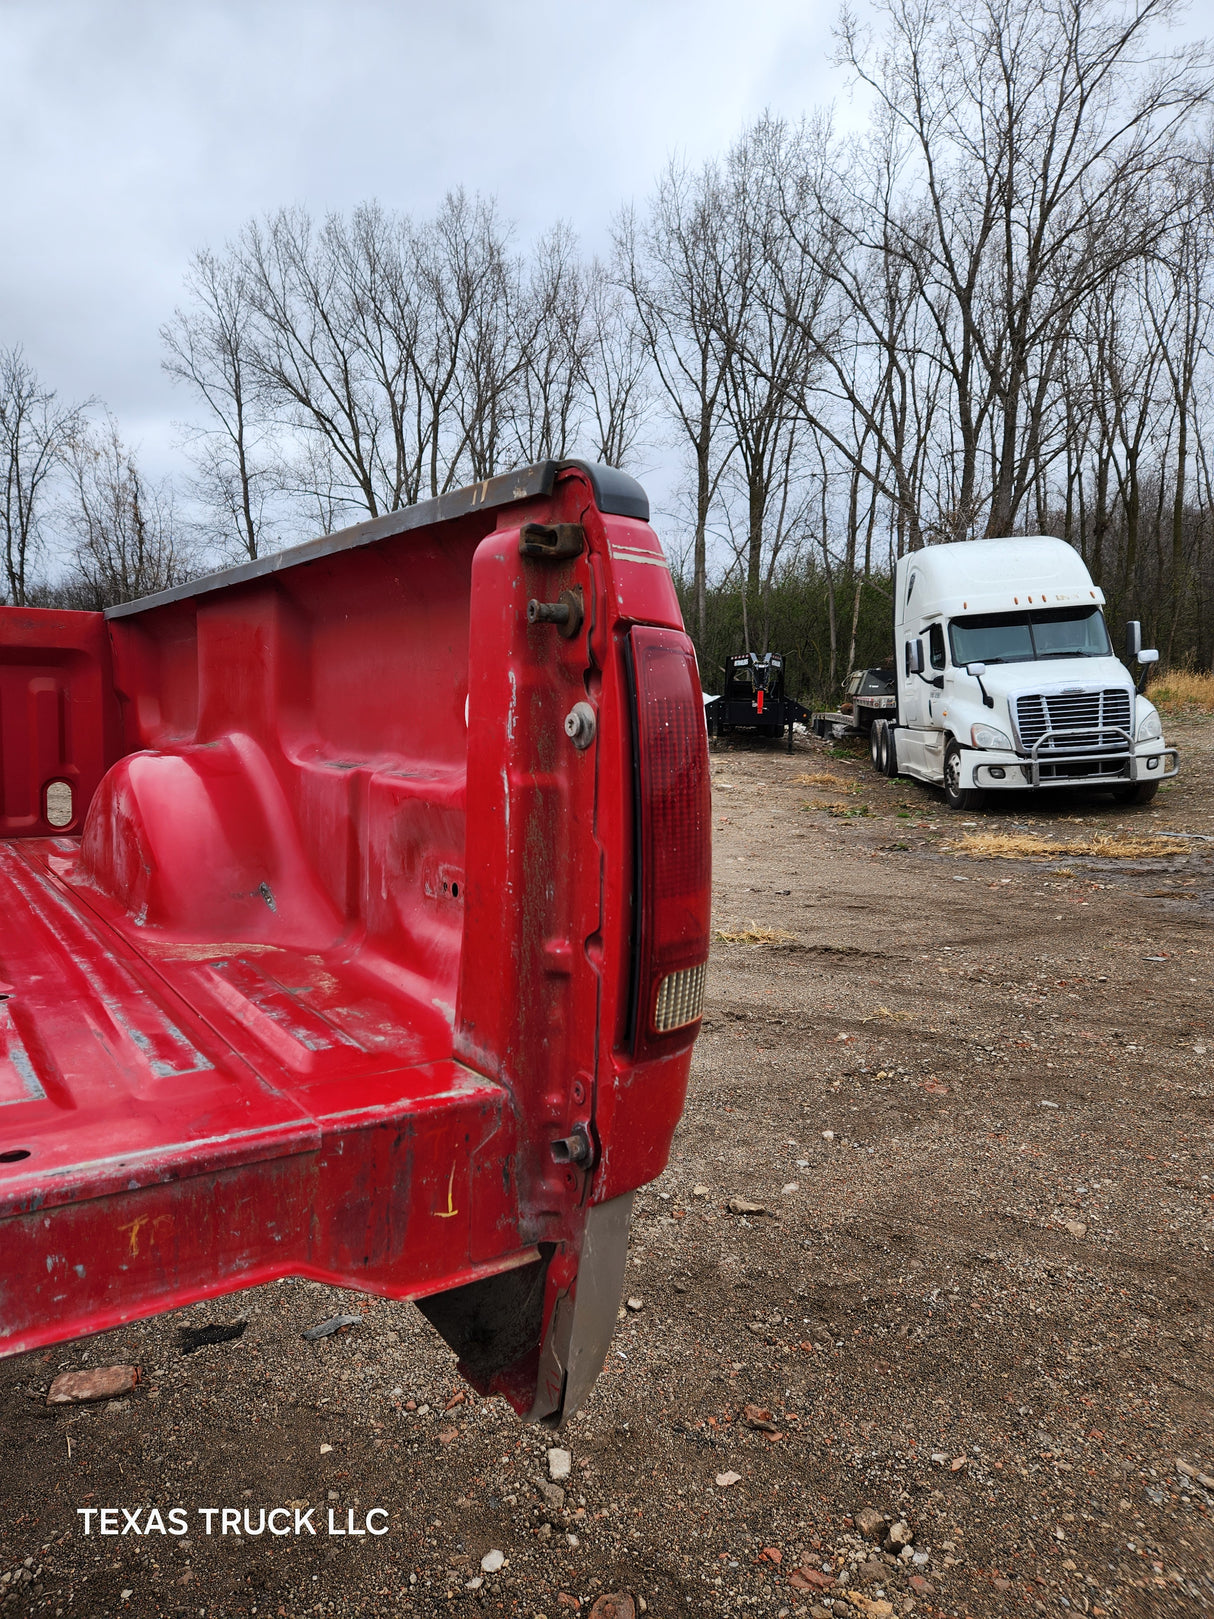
(326, 1329)
(758, 1416)
(900, 1535)
(492, 1561)
(742, 1205)
(560, 1464)
(613, 1605)
(99, 1383)
(870, 1523)
(811, 1579)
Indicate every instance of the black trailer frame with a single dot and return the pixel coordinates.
(754, 699)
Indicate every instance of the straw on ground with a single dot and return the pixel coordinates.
(1100, 846)
(752, 933)
(824, 778)
(1183, 690)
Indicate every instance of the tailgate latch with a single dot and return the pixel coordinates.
(576, 1148)
(554, 541)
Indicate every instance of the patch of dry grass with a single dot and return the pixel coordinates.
(752, 933)
(1100, 845)
(1182, 691)
(824, 778)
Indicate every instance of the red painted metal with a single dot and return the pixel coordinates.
(59, 715)
(345, 941)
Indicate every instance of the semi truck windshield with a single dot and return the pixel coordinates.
(1064, 632)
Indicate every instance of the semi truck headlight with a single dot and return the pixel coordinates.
(987, 736)
(1149, 727)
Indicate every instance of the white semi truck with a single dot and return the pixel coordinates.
(1006, 678)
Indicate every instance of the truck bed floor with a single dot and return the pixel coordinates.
(118, 1051)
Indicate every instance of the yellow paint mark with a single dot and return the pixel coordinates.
(137, 1225)
(451, 1210)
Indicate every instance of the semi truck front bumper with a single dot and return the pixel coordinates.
(1053, 767)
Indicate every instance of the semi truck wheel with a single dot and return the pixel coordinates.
(874, 745)
(959, 797)
(889, 750)
(1141, 792)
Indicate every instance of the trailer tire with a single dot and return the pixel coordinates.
(959, 797)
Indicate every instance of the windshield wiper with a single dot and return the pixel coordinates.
(1042, 656)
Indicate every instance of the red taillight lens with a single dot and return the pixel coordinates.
(674, 816)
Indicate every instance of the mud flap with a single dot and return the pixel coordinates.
(581, 1325)
(496, 1325)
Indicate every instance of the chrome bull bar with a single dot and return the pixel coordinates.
(1086, 731)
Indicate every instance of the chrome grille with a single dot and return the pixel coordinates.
(1071, 711)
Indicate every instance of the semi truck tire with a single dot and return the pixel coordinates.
(889, 749)
(1141, 792)
(959, 797)
(874, 745)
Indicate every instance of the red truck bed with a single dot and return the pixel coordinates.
(332, 946)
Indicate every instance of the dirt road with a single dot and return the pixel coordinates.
(972, 1099)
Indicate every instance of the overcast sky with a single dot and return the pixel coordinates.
(134, 133)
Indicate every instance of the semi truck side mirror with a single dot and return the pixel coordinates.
(978, 670)
(1133, 639)
(914, 657)
(1146, 657)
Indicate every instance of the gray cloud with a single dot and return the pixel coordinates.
(135, 133)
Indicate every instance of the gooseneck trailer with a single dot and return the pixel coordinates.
(754, 699)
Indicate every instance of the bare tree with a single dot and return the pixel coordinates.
(1032, 131)
(212, 347)
(769, 317)
(616, 370)
(673, 271)
(34, 430)
(125, 542)
(553, 345)
(1179, 302)
(467, 355)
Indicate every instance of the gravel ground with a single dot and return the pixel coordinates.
(971, 1100)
